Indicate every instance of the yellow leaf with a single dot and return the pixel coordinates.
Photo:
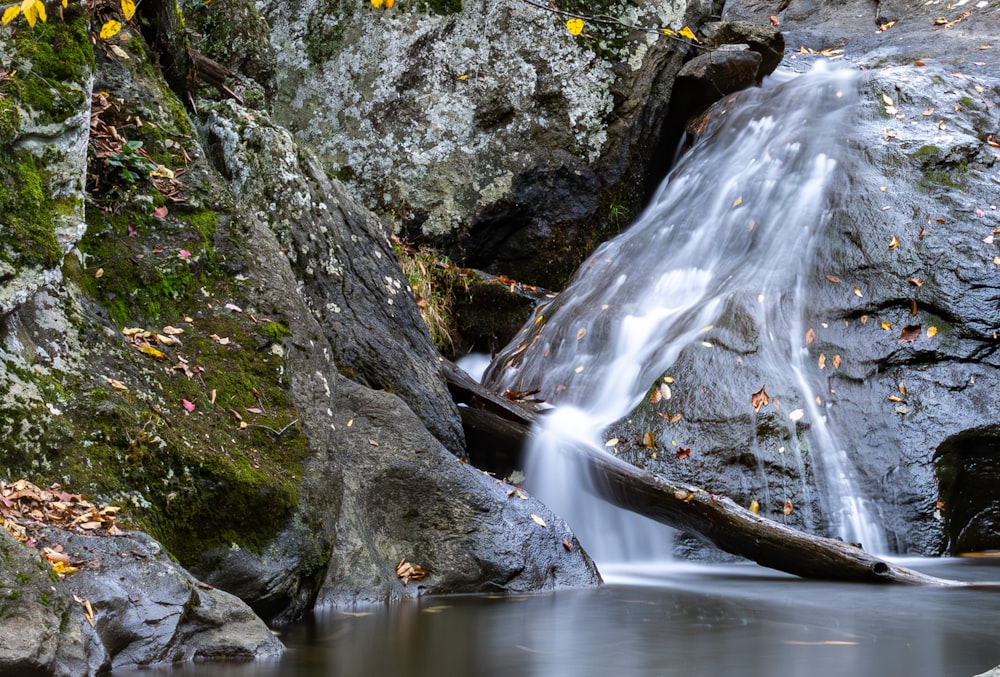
(63, 568)
(738, 201)
(30, 10)
(463, 76)
(110, 29)
(377, 4)
(689, 34)
(894, 242)
(128, 9)
(574, 26)
(538, 520)
(754, 506)
(389, 4)
(152, 352)
(886, 325)
(65, 3)
(931, 332)
(10, 14)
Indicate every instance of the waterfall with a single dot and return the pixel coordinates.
(735, 221)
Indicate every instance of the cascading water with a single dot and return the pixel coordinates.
(736, 220)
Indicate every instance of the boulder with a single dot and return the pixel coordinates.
(486, 127)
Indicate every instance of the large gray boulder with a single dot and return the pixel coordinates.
(485, 126)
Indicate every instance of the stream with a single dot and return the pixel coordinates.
(658, 619)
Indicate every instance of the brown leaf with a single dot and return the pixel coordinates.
(833, 278)
(992, 140)
(581, 333)
(913, 307)
(759, 399)
(683, 452)
(902, 388)
(567, 544)
(648, 440)
(655, 397)
(787, 510)
(894, 242)
(836, 361)
(538, 520)
(916, 282)
(810, 336)
(775, 21)
(822, 361)
(910, 333)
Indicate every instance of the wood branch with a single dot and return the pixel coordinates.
(736, 530)
(503, 426)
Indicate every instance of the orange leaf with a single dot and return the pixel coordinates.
(683, 452)
(788, 507)
(759, 399)
(810, 336)
(910, 333)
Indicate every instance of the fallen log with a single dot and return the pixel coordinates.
(715, 518)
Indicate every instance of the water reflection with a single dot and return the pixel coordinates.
(660, 620)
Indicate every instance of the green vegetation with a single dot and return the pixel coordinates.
(435, 282)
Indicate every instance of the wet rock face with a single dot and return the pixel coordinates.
(488, 128)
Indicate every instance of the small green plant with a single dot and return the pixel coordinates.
(129, 165)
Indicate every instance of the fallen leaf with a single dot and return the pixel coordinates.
(409, 572)
(567, 544)
(810, 336)
(152, 352)
(775, 21)
(172, 331)
(894, 242)
(581, 333)
(788, 508)
(913, 307)
(683, 452)
(612, 442)
(886, 26)
(665, 391)
(901, 387)
(916, 281)
(188, 405)
(738, 201)
(538, 520)
(648, 440)
(857, 292)
(759, 399)
(886, 325)
(992, 141)
(574, 26)
(184, 253)
(894, 398)
(88, 610)
(910, 333)
(99, 274)
(754, 506)
(931, 332)
(836, 361)
(655, 397)
(833, 278)
(116, 384)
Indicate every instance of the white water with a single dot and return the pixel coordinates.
(736, 221)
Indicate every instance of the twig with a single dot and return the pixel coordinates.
(277, 433)
(612, 21)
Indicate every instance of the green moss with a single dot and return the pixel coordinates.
(53, 60)
(28, 237)
(10, 120)
(928, 151)
(275, 331)
(205, 222)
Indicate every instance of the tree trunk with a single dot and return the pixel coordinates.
(716, 519)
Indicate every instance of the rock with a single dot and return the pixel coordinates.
(708, 77)
(490, 130)
(763, 39)
(343, 257)
(43, 162)
(379, 488)
(42, 631)
(146, 610)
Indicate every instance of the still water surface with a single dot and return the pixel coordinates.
(666, 619)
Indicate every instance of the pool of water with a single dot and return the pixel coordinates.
(667, 619)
